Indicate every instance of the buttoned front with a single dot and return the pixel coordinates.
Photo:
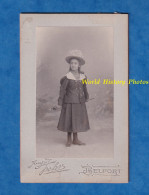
(72, 91)
(72, 97)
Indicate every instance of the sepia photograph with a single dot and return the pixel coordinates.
(74, 98)
(74, 109)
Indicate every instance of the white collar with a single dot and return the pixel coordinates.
(69, 75)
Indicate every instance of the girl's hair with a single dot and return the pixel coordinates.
(79, 68)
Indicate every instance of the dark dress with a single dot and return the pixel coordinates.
(72, 97)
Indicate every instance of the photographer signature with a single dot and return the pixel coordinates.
(48, 166)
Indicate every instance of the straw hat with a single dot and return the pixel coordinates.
(75, 54)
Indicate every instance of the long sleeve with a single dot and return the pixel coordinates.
(63, 82)
(85, 89)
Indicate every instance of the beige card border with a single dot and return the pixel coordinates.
(80, 170)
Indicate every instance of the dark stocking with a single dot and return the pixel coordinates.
(69, 141)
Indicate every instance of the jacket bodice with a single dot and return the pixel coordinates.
(72, 90)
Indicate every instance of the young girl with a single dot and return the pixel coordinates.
(72, 97)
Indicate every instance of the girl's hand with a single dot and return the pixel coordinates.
(55, 108)
(59, 106)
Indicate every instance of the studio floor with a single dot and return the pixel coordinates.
(50, 142)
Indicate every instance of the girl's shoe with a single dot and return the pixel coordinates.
(68, 144)
(78, 142)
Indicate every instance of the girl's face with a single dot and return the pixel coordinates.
(74, 64)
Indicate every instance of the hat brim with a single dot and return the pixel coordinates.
(81, 60)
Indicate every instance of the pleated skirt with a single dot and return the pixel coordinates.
(73, 118)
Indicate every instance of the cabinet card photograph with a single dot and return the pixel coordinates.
(74, 98)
